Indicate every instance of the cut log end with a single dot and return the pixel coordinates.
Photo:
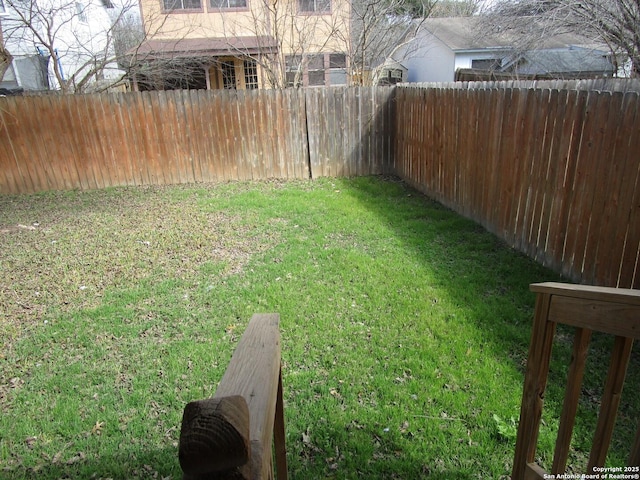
(215, 435)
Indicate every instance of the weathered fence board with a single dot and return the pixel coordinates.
(97, 141)
(349, 131)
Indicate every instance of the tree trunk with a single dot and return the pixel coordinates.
(5, 56)
(5, 60)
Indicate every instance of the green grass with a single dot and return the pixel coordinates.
(405, 329)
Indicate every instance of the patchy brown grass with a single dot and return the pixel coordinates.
(61, 251)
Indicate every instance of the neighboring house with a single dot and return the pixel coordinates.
(81, 44)
(242, 44)
(449, 45)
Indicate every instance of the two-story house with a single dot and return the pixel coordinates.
(242, 44)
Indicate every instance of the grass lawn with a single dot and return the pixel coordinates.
(405, 329)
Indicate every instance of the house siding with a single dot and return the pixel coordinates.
(432, 61)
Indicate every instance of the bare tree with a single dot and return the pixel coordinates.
(615, 23)
(5, 56)
(346, 41)
(69, 33)
(379, 28)
(285, 39)
(367, 32)
(384, 30)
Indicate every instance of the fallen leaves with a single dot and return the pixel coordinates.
(97, 428)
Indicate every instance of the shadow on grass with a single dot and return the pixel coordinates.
(483, 278)
(150, 464)
(500, 305)
(478, 271)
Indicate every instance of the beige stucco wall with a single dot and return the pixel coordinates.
(294, 32)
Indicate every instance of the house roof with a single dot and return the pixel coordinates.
(205, 47)
(558, 61)
(463, 34)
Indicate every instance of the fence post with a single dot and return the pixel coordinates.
(231, 434)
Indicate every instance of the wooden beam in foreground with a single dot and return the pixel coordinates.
(230, 435)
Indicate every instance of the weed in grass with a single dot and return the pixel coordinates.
(405, 328)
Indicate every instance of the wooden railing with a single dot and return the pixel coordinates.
(230, 435)
(609, 310)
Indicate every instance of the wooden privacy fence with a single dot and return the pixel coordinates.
(169, 137)
(555, 173)
(609, 310)
(230, 435)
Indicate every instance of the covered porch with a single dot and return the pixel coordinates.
(202, 63)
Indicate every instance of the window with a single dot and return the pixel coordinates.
(391, 76)
(293, 74)
(314, 6)
(182, 4)
(486, 64)
(228, 75)
(316, 69)
(337, 69)
(315, 66)
(337, 60)
(228, 3)
(250, 75)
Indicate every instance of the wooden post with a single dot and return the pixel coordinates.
(231, 434)
(215, 437)
(534, 387)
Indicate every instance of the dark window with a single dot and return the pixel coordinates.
(293, 74)
(228, 3)
(391, 77)
(486, 64)
(315, 67)
(228, 75)
(316, 78)
(182, 4)
(315, 62)
(337, 69)
(314, 5)
(337, 60)
(293, 62)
